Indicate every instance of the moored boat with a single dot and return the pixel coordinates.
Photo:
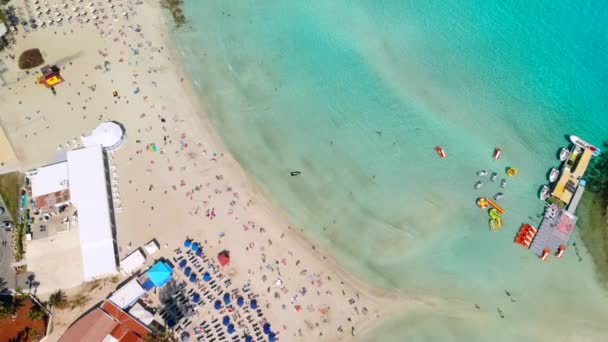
(482, 173)
(478, 185)
(544, 192)
(493, 176)
(512, 172)
(553, 174)
(564, 153)
(498, 196)
(503, 183)
(582, 143)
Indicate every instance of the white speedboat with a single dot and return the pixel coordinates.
(498, 196)
(582, 143)
(482, 173)
(553, 175)
(544, 192)
(493, 176)
(564, 153)
(503, 183)
(478, 185)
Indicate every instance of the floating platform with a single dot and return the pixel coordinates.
(554, 231)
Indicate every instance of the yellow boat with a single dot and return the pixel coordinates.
(495, 224)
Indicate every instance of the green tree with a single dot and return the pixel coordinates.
(597, 177)
(35, 313)
(57, 299)
(4, 311)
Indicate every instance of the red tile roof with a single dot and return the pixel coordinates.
(108, 319)
(124, 318)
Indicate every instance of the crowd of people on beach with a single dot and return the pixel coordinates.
(166, 161)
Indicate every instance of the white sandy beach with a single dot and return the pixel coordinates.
(166, 194)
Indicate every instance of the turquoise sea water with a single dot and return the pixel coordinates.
(356, 94)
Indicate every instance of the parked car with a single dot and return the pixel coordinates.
(7, 225)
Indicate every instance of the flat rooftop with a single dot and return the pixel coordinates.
(90, 196)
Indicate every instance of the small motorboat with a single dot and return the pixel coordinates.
(498, 196)
(553, 175)
(493, 176)
(440, 151)
(544, 192)
(482, 173)
(478, 185)
(497, 153)
(564, 153)
(582, 143)
(503, 183)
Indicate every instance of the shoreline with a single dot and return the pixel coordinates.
(36, 133)
(398, 304)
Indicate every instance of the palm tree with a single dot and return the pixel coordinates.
(57, 299)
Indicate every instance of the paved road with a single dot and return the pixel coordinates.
(6, 271)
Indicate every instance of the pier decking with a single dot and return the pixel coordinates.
(555, 230)
(571, 174)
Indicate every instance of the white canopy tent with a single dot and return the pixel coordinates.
(132, 262)
(128, 294)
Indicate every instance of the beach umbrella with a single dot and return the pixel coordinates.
(217, 305)
(253, 304)
(187, 243)
(226, 320)
(240, 301)
(193, 278)
(196, 297)
(266, 328)
(223, 257)
(187, 271)
(226, 298)
(272, 337)
(248, 338)
(231, 328)
(199, 251)
(195, 246)
(182, 263)
(206, 276)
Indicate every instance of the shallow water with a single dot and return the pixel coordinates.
(356, 95)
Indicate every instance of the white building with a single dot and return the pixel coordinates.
(89, 191)
(50, 185)
(110, 135)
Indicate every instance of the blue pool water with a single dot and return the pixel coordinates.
(356, 95)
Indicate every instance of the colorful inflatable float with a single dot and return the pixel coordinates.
(440, 151)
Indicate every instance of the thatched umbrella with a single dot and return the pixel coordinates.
(30, 59)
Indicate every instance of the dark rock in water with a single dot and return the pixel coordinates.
(295, 173)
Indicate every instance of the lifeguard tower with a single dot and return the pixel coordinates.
(49, 76)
